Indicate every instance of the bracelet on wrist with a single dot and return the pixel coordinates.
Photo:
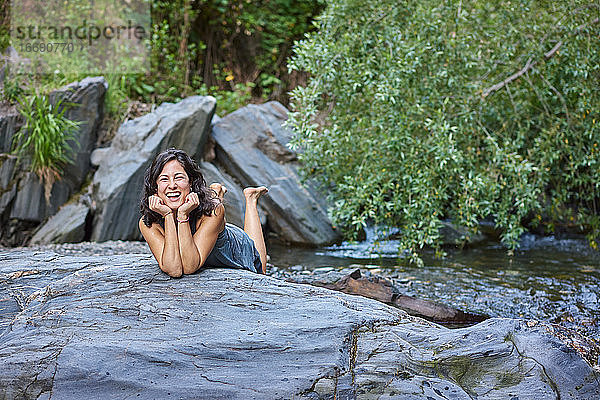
(183, 220)
(165, 216)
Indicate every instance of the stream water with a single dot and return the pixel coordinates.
(549, 279)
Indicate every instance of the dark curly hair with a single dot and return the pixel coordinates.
(208, 197)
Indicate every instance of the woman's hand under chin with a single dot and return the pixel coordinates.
(191, 202)
(157, 205)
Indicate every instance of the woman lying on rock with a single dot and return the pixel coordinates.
(183, 220)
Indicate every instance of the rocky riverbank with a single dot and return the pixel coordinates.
(98, 197)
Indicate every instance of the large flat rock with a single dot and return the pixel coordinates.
(7, 189)
(116, 327)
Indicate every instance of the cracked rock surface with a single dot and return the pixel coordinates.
(115, 327)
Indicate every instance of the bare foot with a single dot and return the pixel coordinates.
(219, 189)
(253, 193)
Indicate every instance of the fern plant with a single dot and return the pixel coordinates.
(45, 138)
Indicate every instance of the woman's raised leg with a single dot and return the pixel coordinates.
(252, 222)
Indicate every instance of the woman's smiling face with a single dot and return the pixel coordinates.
(173, 184)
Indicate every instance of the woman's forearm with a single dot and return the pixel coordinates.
(171, 259)
(190, 257)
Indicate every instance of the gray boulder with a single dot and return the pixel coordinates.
(117, 327)
(118, 182)
(30, 200)
(7, 189)
(9, 125)
(7, 169)
(453, 234)
(252, 146)
(66, 226)
(85, 102)
(6, 198)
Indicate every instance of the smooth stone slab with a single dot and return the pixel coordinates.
(117, 327)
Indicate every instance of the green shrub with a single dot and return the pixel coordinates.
(115, 99)
(229, 101)
(421, 111)
(12, 89)
(222, 44)
(45, 139)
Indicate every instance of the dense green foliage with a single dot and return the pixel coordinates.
(235, 50)
(46, 138)
(402, 122)
(4, 24)
(221, 43)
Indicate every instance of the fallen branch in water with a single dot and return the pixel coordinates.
(381, 289)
